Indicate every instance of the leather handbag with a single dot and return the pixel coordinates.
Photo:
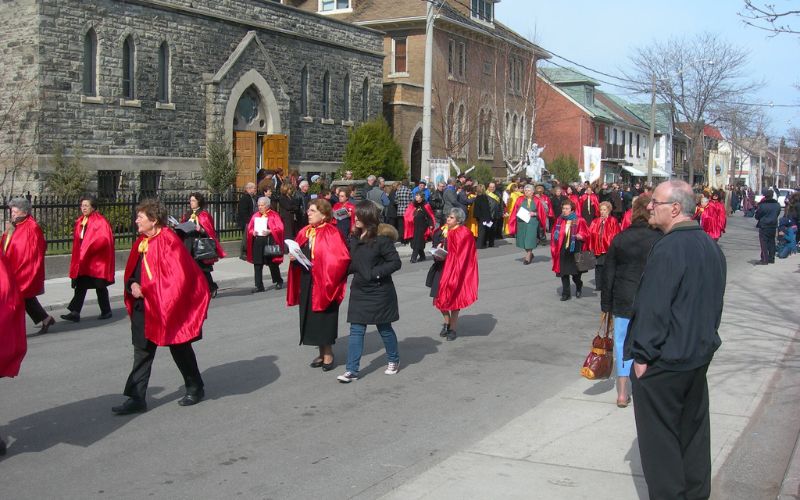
(585, 260)
(600, 360)
(272, 251)
(204, 249)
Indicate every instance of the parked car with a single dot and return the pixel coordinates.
(784, 193)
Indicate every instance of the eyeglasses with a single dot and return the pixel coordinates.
(656, 203)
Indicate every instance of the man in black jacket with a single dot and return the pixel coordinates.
(247, 207)
(672, 338)
(767, 216)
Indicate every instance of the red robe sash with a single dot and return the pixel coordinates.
(599, 243)
(175, 291)
(94, 255)
(205, 221)
(328, 274)
(13, 344)
(275, 225)
(25, 254)
(458, 287)
(351, 209)
(595, 204)
(408, 222)
(541, 213)
(627, 219)
(557, 244)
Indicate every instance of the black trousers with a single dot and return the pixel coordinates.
(766, 237)
(486, 235)
(76, 304)
(182, 354)
(35, 310)
(274, 271)
(599, 269)
(672, 423)
(576, 278)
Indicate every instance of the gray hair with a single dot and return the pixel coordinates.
(529, 187)
(265, 199)
(451, 181)
(682, 194)
(21, 204)
(302, 183)
(458, 214)
(371, 178)
(249, 185)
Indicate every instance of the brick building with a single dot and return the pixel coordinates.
(140, 86)
(483, 78)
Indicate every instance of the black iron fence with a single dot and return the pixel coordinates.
(56, 216)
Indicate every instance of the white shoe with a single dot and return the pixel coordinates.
(347, 377)
(392, 368)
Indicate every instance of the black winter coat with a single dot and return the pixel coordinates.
(373, 299)
(482, 210)
(767, 213)
(624, 264)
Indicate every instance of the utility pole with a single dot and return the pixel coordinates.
(651, 159)
(425, 167)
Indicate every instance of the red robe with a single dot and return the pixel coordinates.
(25, 254)
(595, 204)
(175, 291)
(351, 209)
(408, 221)
(458, 287)
(576, 200)
(274, 224)
(600, 241)
(541, 213)
(627, 219)
(205, 221)
(13, 343)
(716, 221)
(330, 259)
(556, 244)
(93, 255)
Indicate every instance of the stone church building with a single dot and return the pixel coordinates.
(138, 87)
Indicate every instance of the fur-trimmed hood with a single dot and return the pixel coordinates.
(389, 231)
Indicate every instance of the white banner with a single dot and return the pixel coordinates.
(591, 164)
(440, 171)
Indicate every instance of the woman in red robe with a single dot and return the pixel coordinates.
(589, 207)
(573, 197)
(259, 238)
(601, 231)
(204, 225)
(24, 246)
(319, 290)
(344, 213)
(92, 263)
(454, 284)
(569, 234)
(167, 299)
(418, 224)
(720, 218)
(13, 344)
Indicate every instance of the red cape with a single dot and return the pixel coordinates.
(351, 209)
(25, 254)
(94, 255)
(595, 205)
(175, 291)
(540, 212)
(557, 244)
(408, 222)
(458, 287)
(713, 219)
(627, 219)
(205, 221)
(275, 225)
(599, 243)
(329, 272)
(13, 343)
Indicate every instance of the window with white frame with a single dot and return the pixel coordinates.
(483, 10)
(399, 55)
(333, 5)
(589, 91)
(657, 145)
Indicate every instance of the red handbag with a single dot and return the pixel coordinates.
(600, 359)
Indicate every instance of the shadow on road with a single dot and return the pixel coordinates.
(240, 377)
(476, 325)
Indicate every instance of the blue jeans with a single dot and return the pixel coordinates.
(620, 332)
(355, 346)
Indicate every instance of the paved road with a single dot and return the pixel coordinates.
(272, 427)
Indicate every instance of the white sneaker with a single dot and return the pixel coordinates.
(392, 368)
(347, 377)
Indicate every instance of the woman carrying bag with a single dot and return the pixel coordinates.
(265, 244)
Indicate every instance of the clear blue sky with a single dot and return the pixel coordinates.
(602, 35)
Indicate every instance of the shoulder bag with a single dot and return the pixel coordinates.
(600, 360)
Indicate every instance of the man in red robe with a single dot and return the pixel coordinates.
(92, 263)
(167, 299)
(13, 344)
(24, 246)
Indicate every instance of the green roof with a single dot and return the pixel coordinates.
(662, 115)
(565, 76)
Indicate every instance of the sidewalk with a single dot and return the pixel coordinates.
(578, 444)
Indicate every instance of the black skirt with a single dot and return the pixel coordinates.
(567, 262)
(316, 328)
(434, 277)
(89, 283)
(259, 242)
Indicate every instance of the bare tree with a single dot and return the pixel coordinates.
(764, 16)
(458, 118)
(17, 126)
(739, 122)
(696, 77)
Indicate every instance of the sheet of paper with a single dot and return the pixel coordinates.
(260, 226)
(439, 253)
(294, 250)
(488, 223)
(523, 214)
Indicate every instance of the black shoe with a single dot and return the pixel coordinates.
(316, 363)
(71, 316)
(326, 367)
(2, 447)
(443, 333)
(105, 315)
(413, 260)
(130, 406)
(278, 286)
(564, 297)
(46, 324)
(257, 290)
(451, 335)
(422, 259)
(192, 399)
(578, 293)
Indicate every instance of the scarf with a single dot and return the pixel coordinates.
(14, 224)
(143, 246)
(193, 217)
(84, 222)
(311, 234)
(569, 238)
(493, 196)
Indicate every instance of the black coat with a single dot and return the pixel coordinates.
(481, 210)
(373, 299)
(767, 213)
(247, 207)
(624, 264)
